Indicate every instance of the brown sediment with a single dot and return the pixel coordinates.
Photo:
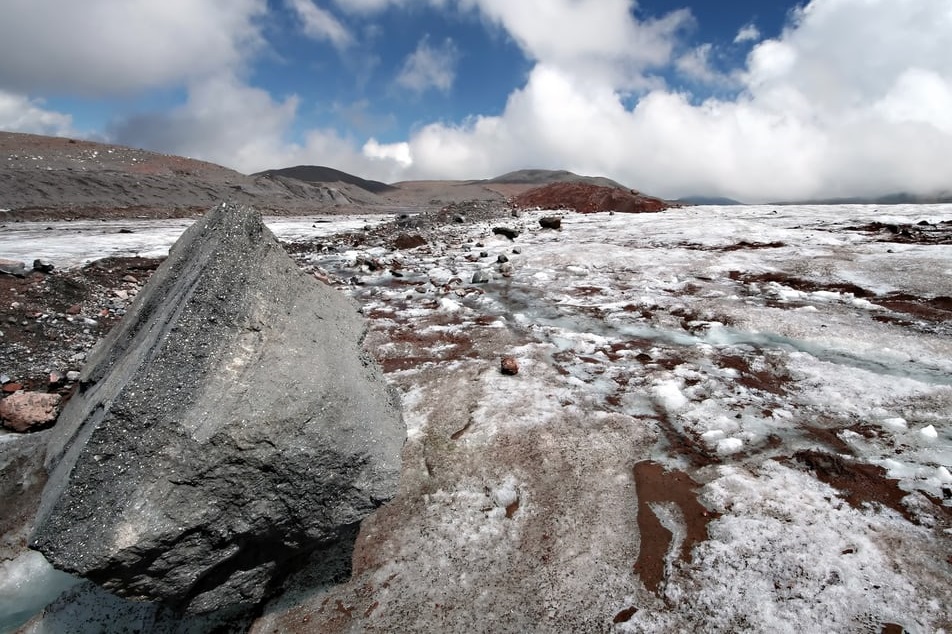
(935, 309)
(799, 283)
(892, 628)
(920, 233)
(625, 615)
(511, 508)
(860, 483)
(763, 380)
(655, 485)
(829, 438)
(738, 246)
(684, 446)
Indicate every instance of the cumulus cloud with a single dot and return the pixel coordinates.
(228, 122)
(320, 24)
(597, 39)
(852, 98)
(747, 33)
(21, 114)
(429, 67)
(696, 65)
(105, 47)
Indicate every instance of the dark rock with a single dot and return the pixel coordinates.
(42, 266)
(509, 366)
(205, 494)
(502, 259)
(506, 231)
(126, 231)
(484, 254)
(29, 411)
(481, 277)
(550, 222)
(408, 241)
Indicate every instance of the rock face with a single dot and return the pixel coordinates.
(226, 431)
(586, 198)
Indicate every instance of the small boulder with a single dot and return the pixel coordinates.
(551, 222)
(43, 266)
(503, 258)
(29, 411)
(507, 232)
(509, 366)
(481, 277)
(406, 241)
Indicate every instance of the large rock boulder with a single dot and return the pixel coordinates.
(226, 431)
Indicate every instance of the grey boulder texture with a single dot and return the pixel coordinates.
(228, 432)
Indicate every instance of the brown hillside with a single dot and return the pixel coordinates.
(586, 198)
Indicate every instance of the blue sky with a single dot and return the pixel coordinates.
(753, 100)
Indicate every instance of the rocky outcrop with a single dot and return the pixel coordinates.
(587, 198)
(228, 431)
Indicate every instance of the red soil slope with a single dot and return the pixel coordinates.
(586, 198)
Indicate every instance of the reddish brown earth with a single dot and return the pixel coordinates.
(655, 485)
(586, 198)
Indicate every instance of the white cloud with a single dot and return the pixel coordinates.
(854, 97)
(20, 114)
(106, 47)
(747, 33)
(396, 152)
(696, 65)
(320, 24)
(231, 123)
(428, 67)
(596, 39)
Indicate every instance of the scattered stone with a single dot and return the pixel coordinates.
(72, 376)
(42, 266)
(516, 251)
(126, 231)
(481, 277)
(503, 258)
(484, 254)
(12, 387)
(131, 279)
(57, 379)
(121, 294)
(29, 411)
(506, 231)
(551, 222)
(506, 269)
(509, 366)
(406, 241)
(75, 309)
(205, 494)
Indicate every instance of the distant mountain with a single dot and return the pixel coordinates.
(899, 198)
(707, 200)
(321, 174)
(545, 177)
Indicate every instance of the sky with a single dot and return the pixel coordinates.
(756, 100)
